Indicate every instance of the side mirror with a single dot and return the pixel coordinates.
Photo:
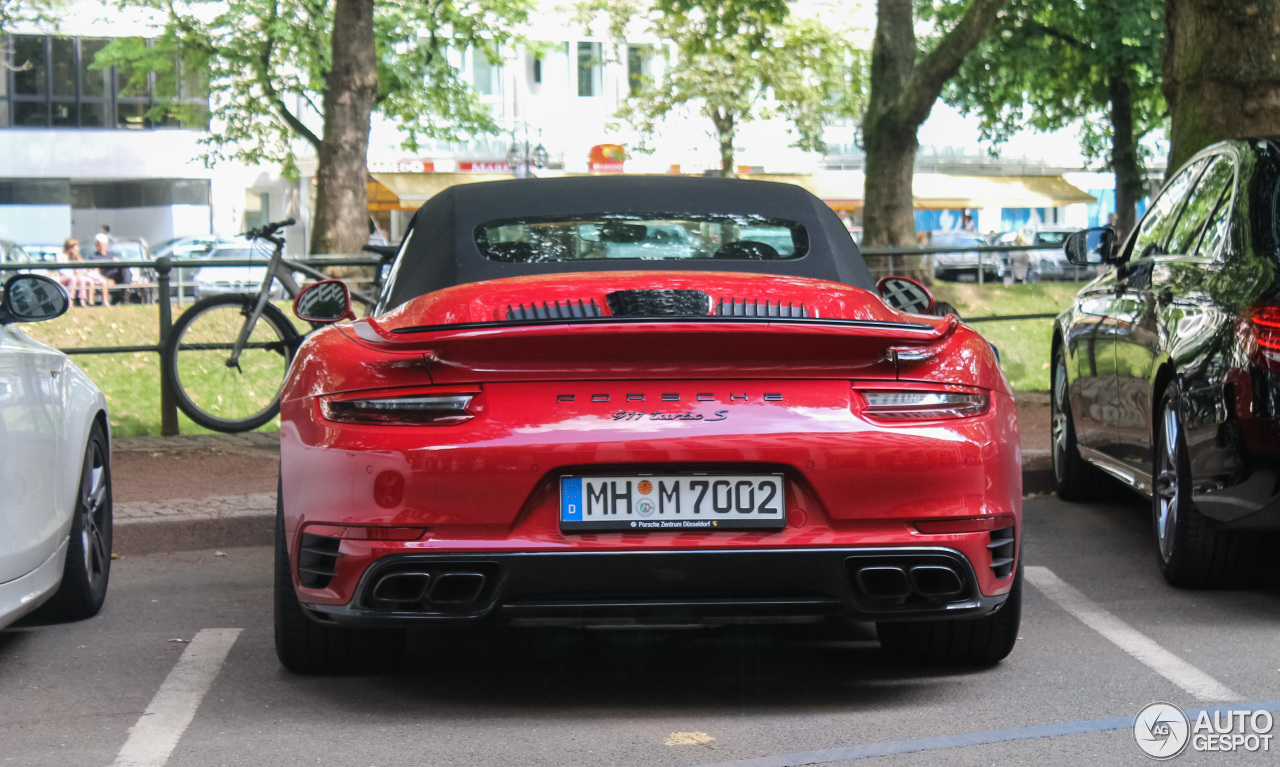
(1091, 246)
(32, 298)
(324, 302)
(905, 295)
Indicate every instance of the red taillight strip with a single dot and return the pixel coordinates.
(1265, 319)
(366, 533)
(973, 525)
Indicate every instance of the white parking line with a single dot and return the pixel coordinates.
(156, 734)
(1129, 639)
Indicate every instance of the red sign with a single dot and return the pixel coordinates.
(483, 167)
(607, 158)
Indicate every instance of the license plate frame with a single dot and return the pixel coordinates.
(719, 508)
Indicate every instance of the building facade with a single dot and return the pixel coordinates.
(78, 150)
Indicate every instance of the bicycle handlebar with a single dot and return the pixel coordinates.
(387, 252)
(266, 230)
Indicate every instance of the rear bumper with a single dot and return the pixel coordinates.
(665, 587)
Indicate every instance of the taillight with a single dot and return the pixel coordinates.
(922, 404)
(404, 410)
(1263, 331)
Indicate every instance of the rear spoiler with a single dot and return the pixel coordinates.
(613, 347)
(909, 327)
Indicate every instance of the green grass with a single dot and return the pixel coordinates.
(131, 382)
(1023, 344)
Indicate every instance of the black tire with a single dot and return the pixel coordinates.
(214, 394)
(307, 647)
(981, 641)
(1190, 550)
(1073, 478)
(88, 566)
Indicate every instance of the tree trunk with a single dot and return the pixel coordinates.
(725, 134)
(890, 211)
(1221, 72)
(1124, 156)
(904, 87)
(342, 208)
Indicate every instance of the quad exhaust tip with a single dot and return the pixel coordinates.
(895, 585)
(402, 588)
(421, 588)
(456, 588)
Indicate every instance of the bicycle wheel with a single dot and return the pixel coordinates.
(213, 393)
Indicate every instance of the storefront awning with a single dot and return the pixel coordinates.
(935, 190)
(845, 189)
(413, 189)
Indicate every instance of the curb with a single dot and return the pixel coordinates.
(249, 520)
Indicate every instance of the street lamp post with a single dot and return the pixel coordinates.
(523, 156)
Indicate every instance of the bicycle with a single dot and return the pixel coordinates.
(226, 357)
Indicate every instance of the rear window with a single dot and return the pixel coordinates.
(655, 237)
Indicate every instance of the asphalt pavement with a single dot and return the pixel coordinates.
(179, 670)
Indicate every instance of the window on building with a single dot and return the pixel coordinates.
(257, 209)
(590, 69)
(54, 85)
(637, 67)
(485, 75)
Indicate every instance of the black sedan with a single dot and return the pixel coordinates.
(1166, 368)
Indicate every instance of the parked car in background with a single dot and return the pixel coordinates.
(187, 246)
(55, 467)
(12, 253)
(1166, 368)
(1049, 263)
(219, 280)
(962, 266)
(43, 252)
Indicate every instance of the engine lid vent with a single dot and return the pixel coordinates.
(734, 308)
(554, 310)
(659, 303)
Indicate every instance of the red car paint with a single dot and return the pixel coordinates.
(490, 484)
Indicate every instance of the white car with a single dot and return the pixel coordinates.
(55, 467)
(219, 280)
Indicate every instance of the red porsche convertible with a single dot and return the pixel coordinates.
(643, 401)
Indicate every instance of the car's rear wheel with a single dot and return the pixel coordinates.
(976, 642)
(307, 647)
(88, 565)
(1191, 551)
(1073, 478)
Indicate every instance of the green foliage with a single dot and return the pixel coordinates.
(1048, 65)
(1023, 344)
(25, 11)
(264, 63)
(736, 62)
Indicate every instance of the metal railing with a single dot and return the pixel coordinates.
(164, 268)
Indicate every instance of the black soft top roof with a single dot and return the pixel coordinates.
(442, 250)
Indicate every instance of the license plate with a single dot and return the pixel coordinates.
(684, 502)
